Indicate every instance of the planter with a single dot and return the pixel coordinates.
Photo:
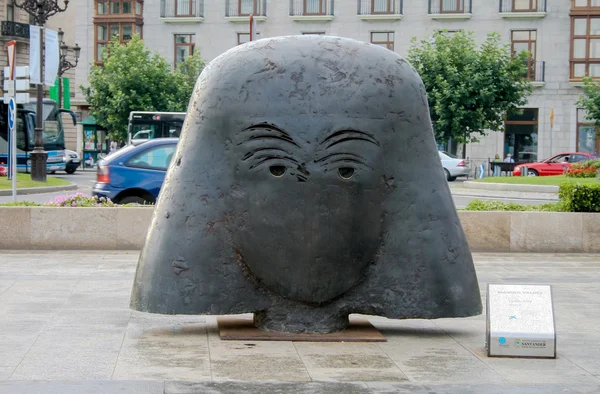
(46, 228)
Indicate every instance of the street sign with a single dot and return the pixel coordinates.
(12, 55)
(17, 84)
(551, 117)
(520, 321)
(20, 72)
(12, 107)
(17, 88)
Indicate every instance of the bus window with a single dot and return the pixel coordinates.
(21, 135)
(172, 129)
(144, 131)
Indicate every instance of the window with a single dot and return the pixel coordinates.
(10, 11)
(106, 32)
(243, 38)
(315, 7)
(183, 7)
(585, 46)
(585, 3)
(184, 47)
(383, 39)
(525, 41)
(521, 135)
(587, 139)
(247, 7)
(525, 5)
(157, 158)
(382, 6)
(452, 6)
(118, 7)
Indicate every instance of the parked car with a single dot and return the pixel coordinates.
(135, 173)
(72, 161)
(554, 165)
(453, 166)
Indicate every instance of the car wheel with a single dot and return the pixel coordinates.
(449, 177)
(134, 200)
(532, 173)
(70, 170)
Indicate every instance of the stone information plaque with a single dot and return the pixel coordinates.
(520, 321)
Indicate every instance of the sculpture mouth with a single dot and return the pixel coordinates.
(316, 292)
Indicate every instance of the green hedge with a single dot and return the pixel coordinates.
(479, 205)
(580, 198)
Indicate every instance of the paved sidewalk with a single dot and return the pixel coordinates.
(460, 190)
(65, 327)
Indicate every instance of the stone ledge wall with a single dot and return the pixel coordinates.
(125, 229)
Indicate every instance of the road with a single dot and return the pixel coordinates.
(86, 179)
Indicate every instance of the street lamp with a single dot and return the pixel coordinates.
(63, 63)
(40, 11)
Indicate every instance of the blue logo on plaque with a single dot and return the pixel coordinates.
(502, 340)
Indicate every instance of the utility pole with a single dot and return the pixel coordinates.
(41, 11)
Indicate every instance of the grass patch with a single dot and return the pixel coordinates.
(24, 181)
(539, 180)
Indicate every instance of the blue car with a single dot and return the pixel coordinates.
(135, 173)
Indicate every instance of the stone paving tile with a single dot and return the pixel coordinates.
(17, 335)
(85, 387)
(64, 353)
(381, 388)
(5, 372)
(164, 348)
(254, 360)
(5, 285)
(100, 294)
(433, 356)
(265, 388)
(350, 362)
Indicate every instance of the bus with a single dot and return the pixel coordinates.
(54, 135)
(145, 125)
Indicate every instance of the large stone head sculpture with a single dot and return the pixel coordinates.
(307, 186)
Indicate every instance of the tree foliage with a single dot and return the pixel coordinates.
(133, 78)
(470, 89)
(590, 101)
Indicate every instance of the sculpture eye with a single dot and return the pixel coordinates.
(277, 171)
(346, 172)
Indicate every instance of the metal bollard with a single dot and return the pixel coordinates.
(524, 171)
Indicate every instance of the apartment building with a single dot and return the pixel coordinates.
(562, 35)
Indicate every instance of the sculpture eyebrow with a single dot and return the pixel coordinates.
(281, 135)
(340, 136)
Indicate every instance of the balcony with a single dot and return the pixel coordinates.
(380, 9)
(240, 10)
(182, 11)
(536, 73)
(450, 9)
(14, 29)
(311, 10)
(523, 9)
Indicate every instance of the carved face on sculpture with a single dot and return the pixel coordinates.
(308, 216)
(307, 181)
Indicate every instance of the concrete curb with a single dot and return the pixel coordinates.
(511, 187)
(39, 190)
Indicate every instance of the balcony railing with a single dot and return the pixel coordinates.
(522, 5)
(182, 9)
(14, 29)
(450, 7)
(311, 7)
(380, 7)
(536, 71)
(245, 8)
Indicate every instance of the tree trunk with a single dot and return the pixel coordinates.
(464, 152)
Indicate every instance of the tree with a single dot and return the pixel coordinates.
(134, 79)
(590, 100)
(469, 89)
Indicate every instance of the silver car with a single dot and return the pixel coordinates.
(453, 166)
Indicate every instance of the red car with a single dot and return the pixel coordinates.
(554, 165)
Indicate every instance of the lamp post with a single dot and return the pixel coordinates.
(63, 63)
(40, 11)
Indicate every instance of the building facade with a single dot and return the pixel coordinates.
(563, 37)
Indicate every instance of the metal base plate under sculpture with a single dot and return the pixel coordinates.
(520, 321)
(235, 328)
